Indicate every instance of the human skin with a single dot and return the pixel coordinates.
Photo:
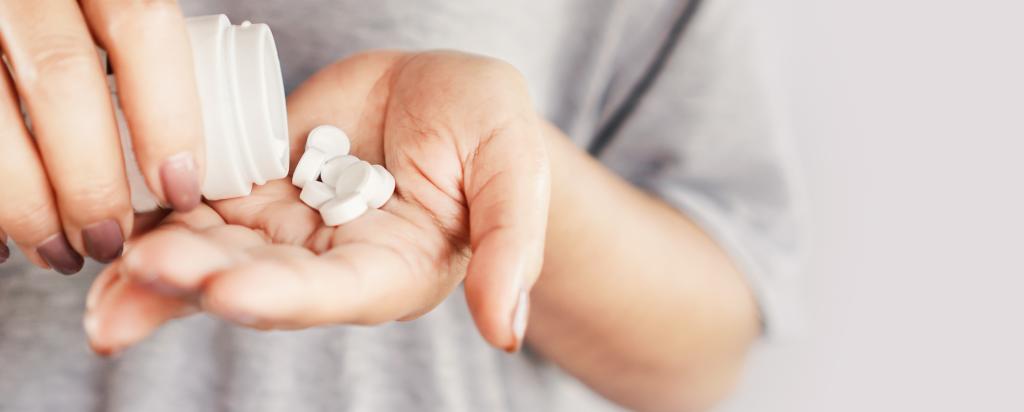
(621, 290)
(65, 193)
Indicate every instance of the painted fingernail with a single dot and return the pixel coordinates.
(91, 324)
(57, 253)
(98, 291)
(519, 318)
(180, 178)
(5, 253)
(103, 241)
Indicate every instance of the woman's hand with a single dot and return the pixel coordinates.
(64, 192)
(463, 141)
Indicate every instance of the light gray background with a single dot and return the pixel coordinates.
(910, 120)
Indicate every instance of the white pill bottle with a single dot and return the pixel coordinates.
(242, 97)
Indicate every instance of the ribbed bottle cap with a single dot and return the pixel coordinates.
(261, 102)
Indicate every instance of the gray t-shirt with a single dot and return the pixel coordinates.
(703, 137)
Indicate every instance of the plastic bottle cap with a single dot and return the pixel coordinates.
(241, 94)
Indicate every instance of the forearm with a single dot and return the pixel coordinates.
(634, 299)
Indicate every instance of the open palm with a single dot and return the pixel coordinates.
(463, 142)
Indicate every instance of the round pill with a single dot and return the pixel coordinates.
(308, 167)
(384, 190)
(328, 139)
(358, 178)
(333, 168)
(315, 194)
(343, 209)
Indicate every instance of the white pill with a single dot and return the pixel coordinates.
(308, 167)
(359, 178)
(332, 170)
(343, 209)
(328, 139)
(315, 194)
(386, 188)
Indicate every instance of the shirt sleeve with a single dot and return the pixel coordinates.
(708, 138)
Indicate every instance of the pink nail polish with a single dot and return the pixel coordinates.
(92, 300)
(180, 178)
(59, 254)
(91, 325)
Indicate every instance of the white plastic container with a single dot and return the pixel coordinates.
(243, 108)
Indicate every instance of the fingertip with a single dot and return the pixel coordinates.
(103, 241)
(96, 319)
(101, 285)
(126, 314)
(91, 325)
(33, 256)
(179, 177)
(520, 317)
(497, 285)
(57, 252)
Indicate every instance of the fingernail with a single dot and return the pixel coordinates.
(519, 318)
(91, 324)
(96, 294)
(180, 179)
(57, 253)
(5, 253)
(103, 241)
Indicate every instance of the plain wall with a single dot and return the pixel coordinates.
(909, 116)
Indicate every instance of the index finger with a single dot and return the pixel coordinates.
(151, 57)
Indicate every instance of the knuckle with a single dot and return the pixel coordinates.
(121, 17)
(93, 200)
(22, 220)
(493, 70)
(483, 69)
(497, 68)
(511, 97)
(58, 56)
(487, 89)
(149, 5)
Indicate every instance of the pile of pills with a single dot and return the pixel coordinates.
(341, 186)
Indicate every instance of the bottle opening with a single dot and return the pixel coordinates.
(259, 101)
(244, 110)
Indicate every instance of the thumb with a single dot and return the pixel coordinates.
(507, 183)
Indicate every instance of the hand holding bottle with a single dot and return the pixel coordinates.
(64, 192)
